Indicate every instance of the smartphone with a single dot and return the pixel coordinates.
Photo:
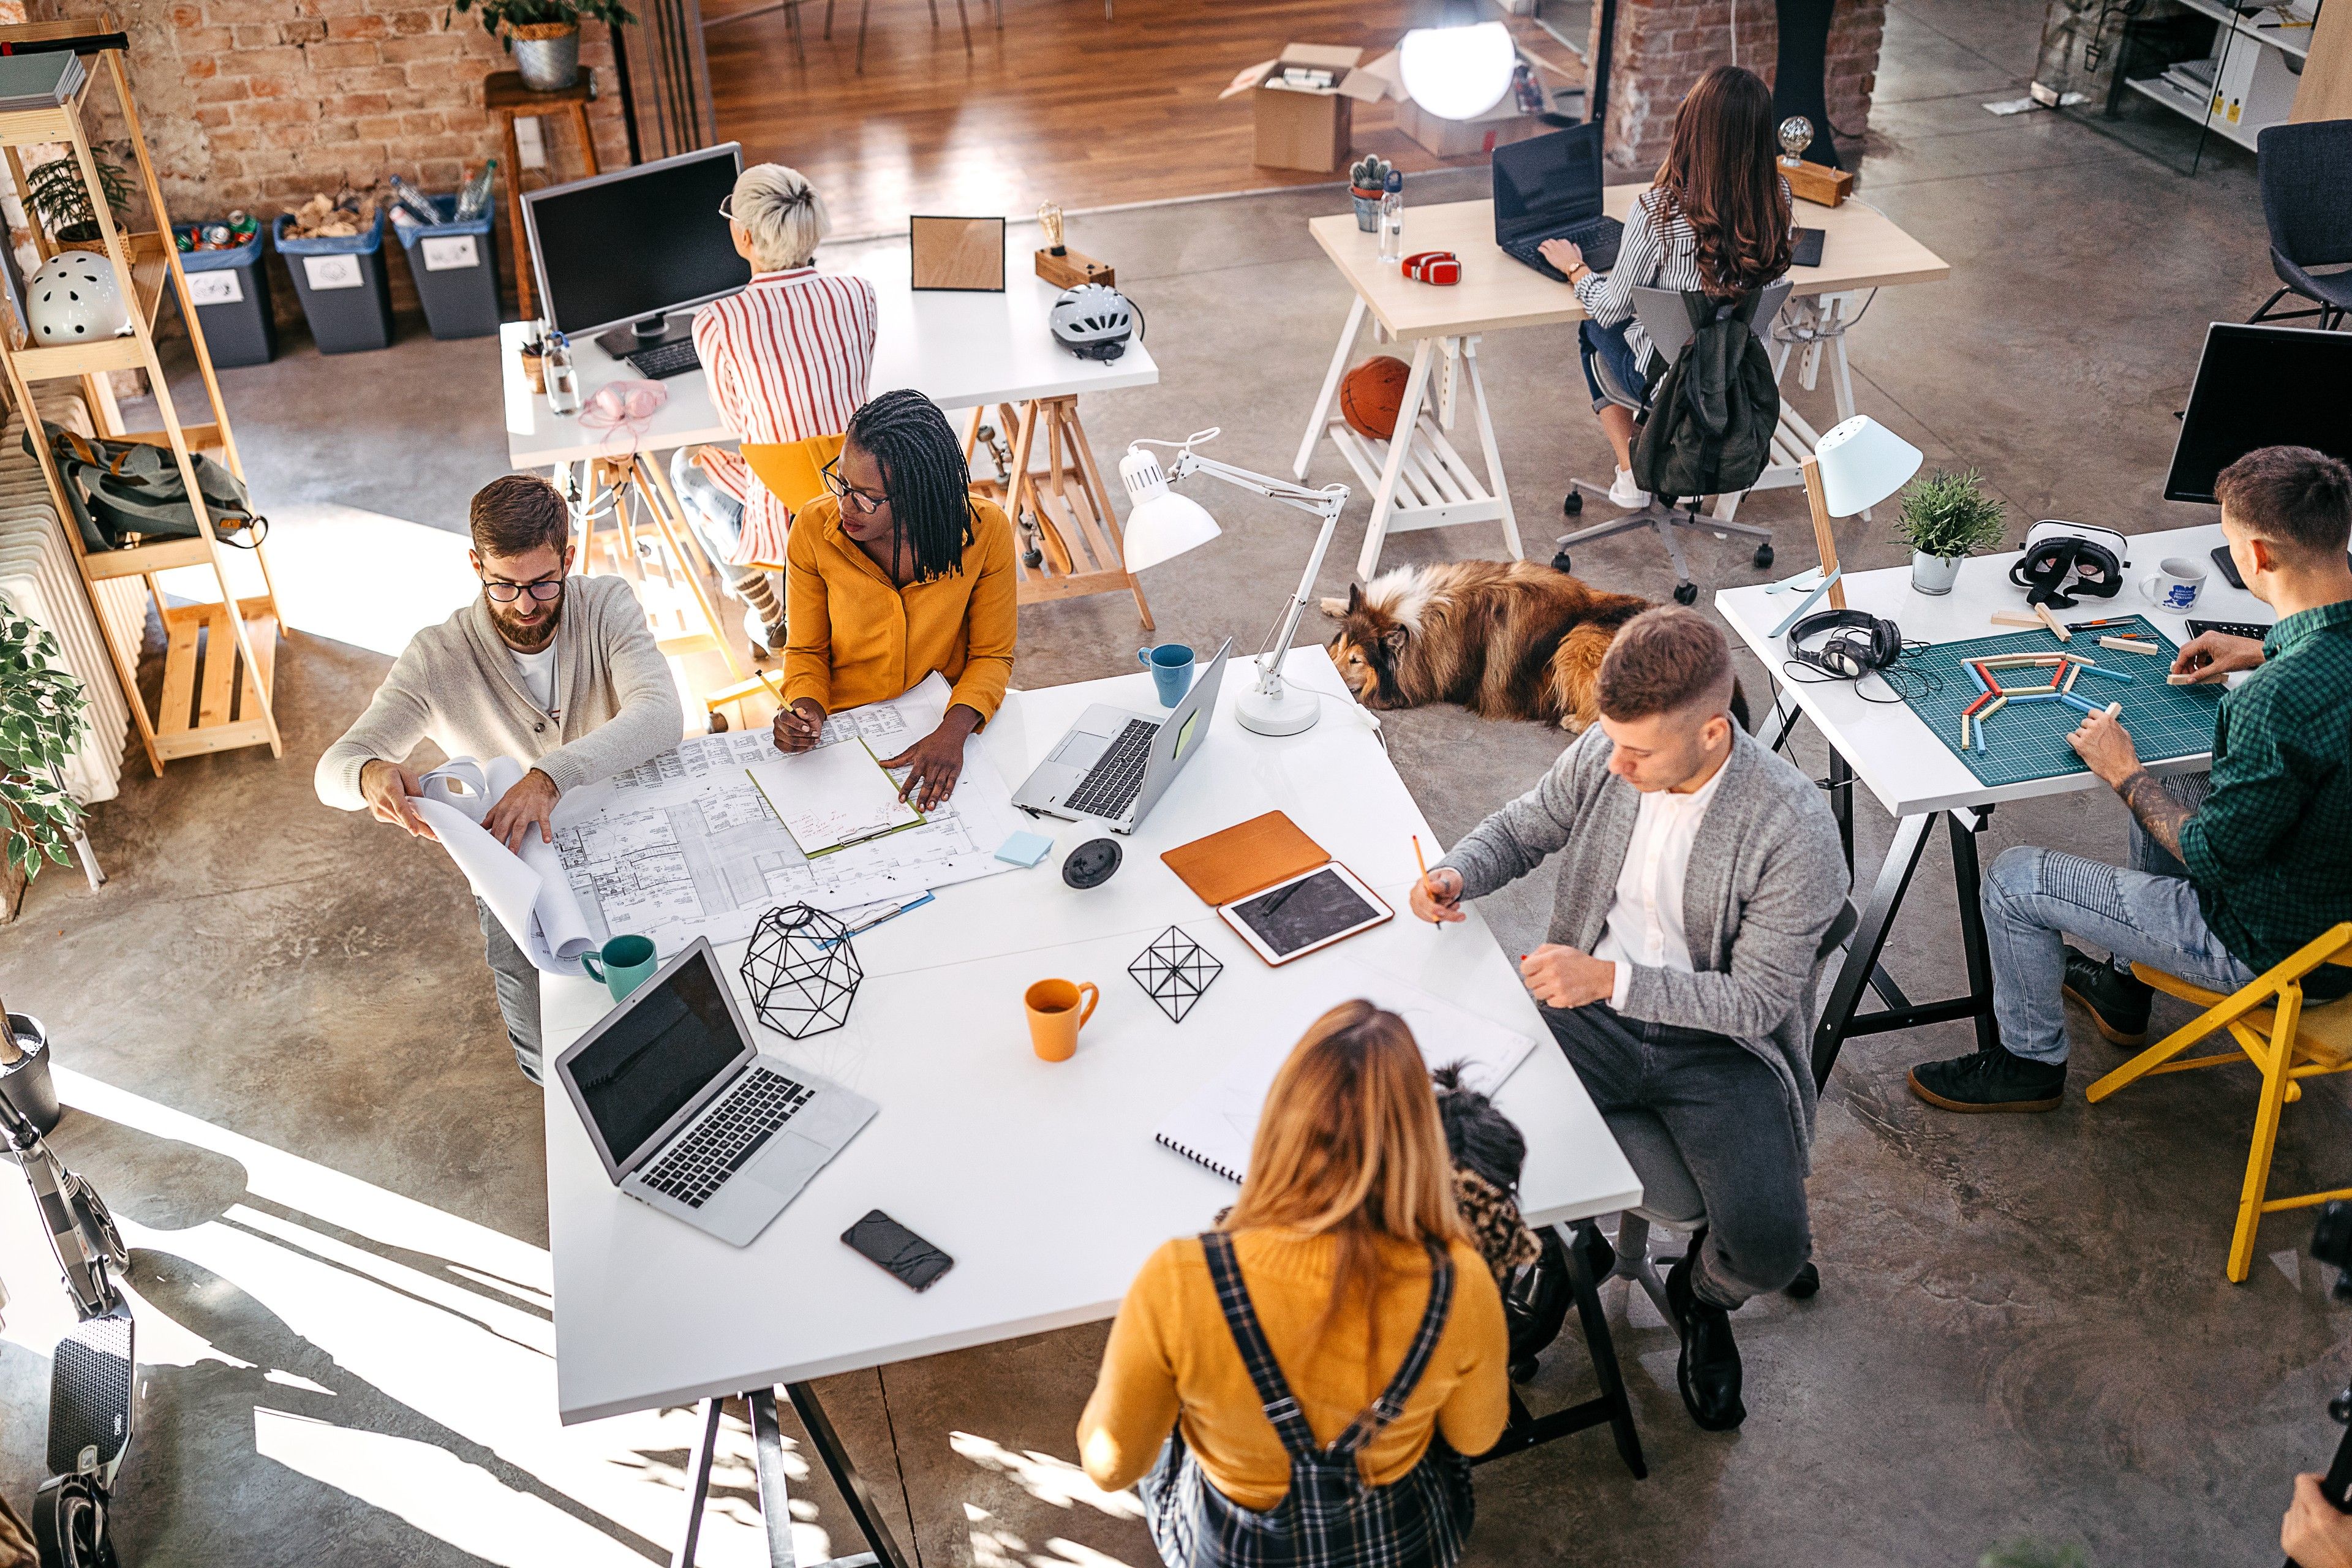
(1807, 250)
(916, 1262)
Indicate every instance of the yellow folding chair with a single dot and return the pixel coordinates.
(793, 471)
(2273, 1031)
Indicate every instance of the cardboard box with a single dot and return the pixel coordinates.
(1499, 126)
(1306, 127)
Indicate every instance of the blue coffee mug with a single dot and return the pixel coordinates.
(1171, 670)
(629, 962)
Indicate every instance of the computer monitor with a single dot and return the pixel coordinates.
(634, 249)
(2261, 386)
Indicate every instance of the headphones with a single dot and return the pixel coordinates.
(1859, 642)
(1439, 266)
(2043, 570)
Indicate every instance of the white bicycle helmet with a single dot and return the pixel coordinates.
(73, 299)
(1093, 321)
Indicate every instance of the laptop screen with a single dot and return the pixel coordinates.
(675, 1037)
(1548, 182)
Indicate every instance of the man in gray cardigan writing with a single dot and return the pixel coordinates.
(1699, 875)
(555, 671)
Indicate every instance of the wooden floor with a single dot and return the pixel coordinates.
(1057, 105)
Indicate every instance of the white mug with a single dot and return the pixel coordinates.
(2175, 585)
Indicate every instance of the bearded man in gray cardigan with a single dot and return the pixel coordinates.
(559, 672)
(1699, 874)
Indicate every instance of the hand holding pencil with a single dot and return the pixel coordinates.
(1437, 897)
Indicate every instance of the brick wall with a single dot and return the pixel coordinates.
(1662, 48)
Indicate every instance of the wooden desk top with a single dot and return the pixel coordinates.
(1863, 248)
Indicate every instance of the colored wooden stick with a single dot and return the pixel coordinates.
(2050, 621)
(2011, 618)
(2071, 701)
(2104, 673)
(2128, 644)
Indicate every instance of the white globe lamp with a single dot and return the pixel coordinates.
(1458, 73)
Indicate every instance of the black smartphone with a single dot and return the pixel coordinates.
(1808, 247)
(916, 1262)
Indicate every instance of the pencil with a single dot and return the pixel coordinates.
(1424, 869)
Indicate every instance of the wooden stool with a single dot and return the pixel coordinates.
(504, 95)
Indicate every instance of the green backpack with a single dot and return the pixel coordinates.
(128, 492)
(1713, 414)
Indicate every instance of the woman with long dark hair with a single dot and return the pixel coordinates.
(896, 572)
(1716, 219)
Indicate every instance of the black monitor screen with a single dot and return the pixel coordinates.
(2261, 386)
(1548, 177)
(636, 244)
(674, 1039)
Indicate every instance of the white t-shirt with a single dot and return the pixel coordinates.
(1646, 919)
(537, 671)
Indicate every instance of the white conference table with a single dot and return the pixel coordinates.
(1042, 1181)
(1888, 748)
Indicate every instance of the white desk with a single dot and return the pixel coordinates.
(1042, 1180)
(1887, 748)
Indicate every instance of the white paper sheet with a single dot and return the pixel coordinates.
(529, 892)
(833, 796)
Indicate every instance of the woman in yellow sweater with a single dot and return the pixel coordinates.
(897, 573)
(1327, 1357)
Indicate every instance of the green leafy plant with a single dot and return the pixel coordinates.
(63, 200)
(43, 708)
(1948, 515)
(497, 14)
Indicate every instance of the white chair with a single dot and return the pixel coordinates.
(1665, 318)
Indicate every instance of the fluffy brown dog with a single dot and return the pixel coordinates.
(1506, 640)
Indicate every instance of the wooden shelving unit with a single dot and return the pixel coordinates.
(219, 658)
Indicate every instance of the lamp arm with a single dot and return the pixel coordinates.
(1326, 503)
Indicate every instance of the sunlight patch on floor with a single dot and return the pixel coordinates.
(1044, 1478)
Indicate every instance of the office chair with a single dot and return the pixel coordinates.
(2307, 178)
(1663, 315)
(1670, 1196)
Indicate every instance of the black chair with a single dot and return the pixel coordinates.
(2307, 178)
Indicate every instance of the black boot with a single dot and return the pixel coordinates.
(2117, 1002)
(1708, 1371)
(1991, 1080)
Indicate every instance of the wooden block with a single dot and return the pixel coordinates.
(1964, 732)
(1999, 703)
(2114, 709)
(1817, 183)
(2066, 682)
(1979, 702)
(2011, 618)
(2051, 622)
(2186, 679)
(2127, 644)
(1070, 269)
(2028, 690)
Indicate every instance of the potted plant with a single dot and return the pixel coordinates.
(42, 711)
(1946, 517)
(544, 35)
(63, 202)
(1367, 178)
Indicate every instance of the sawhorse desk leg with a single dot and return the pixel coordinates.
(1612, 1406)
(767, 1464)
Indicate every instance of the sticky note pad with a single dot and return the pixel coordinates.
(1025, 849)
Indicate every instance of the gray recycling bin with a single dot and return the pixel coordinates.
(343, 285)
(455, 266)
(231, 290)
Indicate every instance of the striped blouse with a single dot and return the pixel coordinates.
(788, 358)
(1660, 250)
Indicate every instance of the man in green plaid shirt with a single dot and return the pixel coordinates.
(2231, 872)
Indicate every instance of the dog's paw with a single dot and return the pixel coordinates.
(1335, 608)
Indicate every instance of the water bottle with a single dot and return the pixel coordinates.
(1392, 219)
(407, 198)
(562, 378)
(473, 199)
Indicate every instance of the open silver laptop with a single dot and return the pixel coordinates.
(1114, 765)
(690, 1116)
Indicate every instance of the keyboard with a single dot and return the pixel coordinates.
(1597, 238)
(1110, 785)
(665, 360)
(728, 1133)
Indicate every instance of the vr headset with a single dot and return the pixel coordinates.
(2065, 559)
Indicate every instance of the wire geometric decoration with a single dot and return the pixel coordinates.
(1174, 971)
(801, 971)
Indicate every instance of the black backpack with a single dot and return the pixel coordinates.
(130, 493)
(1713, 414)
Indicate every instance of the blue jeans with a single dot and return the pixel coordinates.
(717, 519)
(1609, 344)
(517, 979)
(2034, 897)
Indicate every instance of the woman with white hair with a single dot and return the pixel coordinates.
(787, 360)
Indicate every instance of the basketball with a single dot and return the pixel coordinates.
(1370, 394)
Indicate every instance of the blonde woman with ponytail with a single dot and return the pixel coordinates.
(1301, 1384)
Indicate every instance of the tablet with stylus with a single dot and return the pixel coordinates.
(1303, 913)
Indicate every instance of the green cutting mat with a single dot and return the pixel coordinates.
(2027, 741)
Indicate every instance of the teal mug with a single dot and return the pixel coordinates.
(1171, 670)
(629, 960)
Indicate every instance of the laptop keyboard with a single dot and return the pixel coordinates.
(1111, 784)
(730, 1133)
(1598, 238)
(666, 359)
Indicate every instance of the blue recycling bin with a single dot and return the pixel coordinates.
(342, 286)
(455, 266)
(231, 290)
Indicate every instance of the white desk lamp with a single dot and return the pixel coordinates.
(1858, 464)
(1162, 525)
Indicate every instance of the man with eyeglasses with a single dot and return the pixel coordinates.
(558, 672)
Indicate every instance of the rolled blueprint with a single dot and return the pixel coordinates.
(527, 892)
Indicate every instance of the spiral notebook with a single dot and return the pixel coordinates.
(1215, 1126)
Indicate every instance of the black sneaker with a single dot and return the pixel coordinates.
(2117, 1002)
(1990, 1081)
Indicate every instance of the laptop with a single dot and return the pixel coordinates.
(690, 1116)
(1548, 187)
(1113, 765)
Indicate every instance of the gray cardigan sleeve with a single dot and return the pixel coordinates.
(394, 722)
(1521, 836)
(650, 719)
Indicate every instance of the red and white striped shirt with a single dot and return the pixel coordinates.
(787, 359)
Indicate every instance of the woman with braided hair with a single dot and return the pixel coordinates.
(899, 572)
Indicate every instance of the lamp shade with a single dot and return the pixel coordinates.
(1862, 463)
(1161, 524)
(1457, 73)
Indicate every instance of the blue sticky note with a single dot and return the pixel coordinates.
(1025, 849)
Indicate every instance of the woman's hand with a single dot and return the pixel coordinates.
(934, 762)
(1563, 254)
(800, 726)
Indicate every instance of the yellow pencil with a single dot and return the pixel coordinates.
(1424, 872)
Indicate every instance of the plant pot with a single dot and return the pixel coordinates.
(75, 233)
(27, 1083)
(1933, 574)
(547, 54)
(1368, 209)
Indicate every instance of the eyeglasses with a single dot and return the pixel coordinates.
(864, 500)
(545, 589)
(727, 206)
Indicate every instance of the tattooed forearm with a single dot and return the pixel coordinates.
(2156, 810)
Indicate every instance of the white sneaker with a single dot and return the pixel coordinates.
(1623, 492)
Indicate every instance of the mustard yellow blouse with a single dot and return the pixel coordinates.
(855, 637)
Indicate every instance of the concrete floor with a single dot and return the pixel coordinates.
(293, 1084)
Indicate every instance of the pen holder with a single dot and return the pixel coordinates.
(801, 971)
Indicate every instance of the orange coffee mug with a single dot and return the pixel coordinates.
(1055, 1018)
